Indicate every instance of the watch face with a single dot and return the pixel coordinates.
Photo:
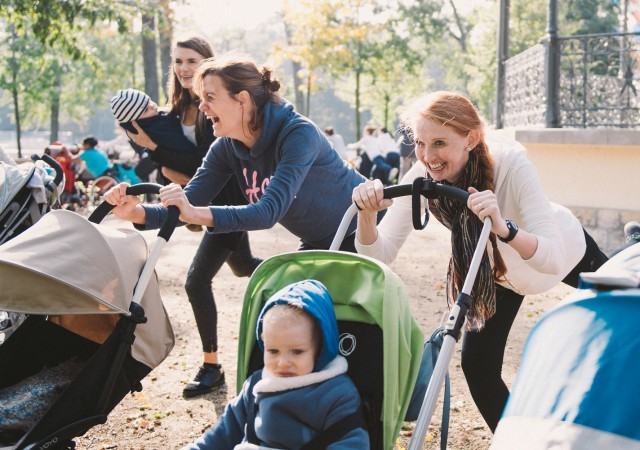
(513, 230)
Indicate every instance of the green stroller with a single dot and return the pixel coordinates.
(378, 335)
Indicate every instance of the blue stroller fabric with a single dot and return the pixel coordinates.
(578, 385)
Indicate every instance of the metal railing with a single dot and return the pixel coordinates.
(599, 76)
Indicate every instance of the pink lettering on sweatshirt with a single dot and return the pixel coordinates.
(253, 191)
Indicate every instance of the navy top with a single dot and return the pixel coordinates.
(292, 176)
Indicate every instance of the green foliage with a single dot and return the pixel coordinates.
(59, 22)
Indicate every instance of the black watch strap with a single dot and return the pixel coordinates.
(513, 230)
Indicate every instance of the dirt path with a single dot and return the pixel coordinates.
(160, 418)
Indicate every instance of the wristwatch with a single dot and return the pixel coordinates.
(513, 230)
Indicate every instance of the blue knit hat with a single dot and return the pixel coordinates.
(314, 298)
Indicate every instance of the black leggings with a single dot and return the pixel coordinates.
(213, 252)
(483, 351)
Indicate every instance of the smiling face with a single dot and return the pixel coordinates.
(442, 149)
(185, 63)
(290, 348)
(223, 108)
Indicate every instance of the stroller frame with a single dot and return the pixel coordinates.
(22, 205)
(457, 315)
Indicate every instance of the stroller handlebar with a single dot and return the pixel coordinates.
(170, 222)
(53, 164)
(428, 189)
(420, 187)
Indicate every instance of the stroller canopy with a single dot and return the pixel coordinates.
(12, 179)
(578, 386)
(65, 264)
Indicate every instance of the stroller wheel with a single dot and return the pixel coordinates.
(99, 186)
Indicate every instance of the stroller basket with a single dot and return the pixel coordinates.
(99, 307)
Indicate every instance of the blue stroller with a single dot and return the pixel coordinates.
(578, 386)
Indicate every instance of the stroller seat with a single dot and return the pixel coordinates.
(378, 335)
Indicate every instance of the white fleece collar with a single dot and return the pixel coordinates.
(248, 446)
(269, 383)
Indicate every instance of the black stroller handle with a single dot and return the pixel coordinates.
(54, 165)
(421, 187)
(170, 222)
(428, 189)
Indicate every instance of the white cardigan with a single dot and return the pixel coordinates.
(561, 242)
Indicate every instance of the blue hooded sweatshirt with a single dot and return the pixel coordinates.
(291, 176)
(292, 411)
(314, 299)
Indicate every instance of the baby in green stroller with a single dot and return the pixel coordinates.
(303, 398)
(376, 332)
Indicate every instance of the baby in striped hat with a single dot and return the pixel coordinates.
(173, 149)
(131, 104)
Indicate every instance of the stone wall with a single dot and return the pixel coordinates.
(593, 172)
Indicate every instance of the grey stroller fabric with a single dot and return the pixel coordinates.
(85, 274)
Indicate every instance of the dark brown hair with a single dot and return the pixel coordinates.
(239, 73)
(180, 97)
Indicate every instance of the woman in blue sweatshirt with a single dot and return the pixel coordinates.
(287, 169)
(214, 249)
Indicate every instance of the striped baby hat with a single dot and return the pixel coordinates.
(129, 104)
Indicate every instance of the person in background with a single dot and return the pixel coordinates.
(534, 244)
(407, 151)
(303, 390)
(94, 161)
(63, 157)
(390, 152)
(337, 142)
(372, 161)
(215, 249)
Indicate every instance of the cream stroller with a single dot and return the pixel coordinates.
(94, 304)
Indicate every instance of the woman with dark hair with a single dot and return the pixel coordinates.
(539, 245)
(215, 249)
(288, 170)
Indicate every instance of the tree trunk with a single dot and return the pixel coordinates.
(14, 89)
(308, 105)
(358, 128)
(150, 55)
(296, 66)
(55, 103)
(165, 35)
(387, 100)
(16, 113)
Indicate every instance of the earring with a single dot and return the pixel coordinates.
(468, 149)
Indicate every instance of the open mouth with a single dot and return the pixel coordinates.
(437, 167)
(215, 120)
(286, 374)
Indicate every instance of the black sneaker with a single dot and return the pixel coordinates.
(208, 377)
(632, 231)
